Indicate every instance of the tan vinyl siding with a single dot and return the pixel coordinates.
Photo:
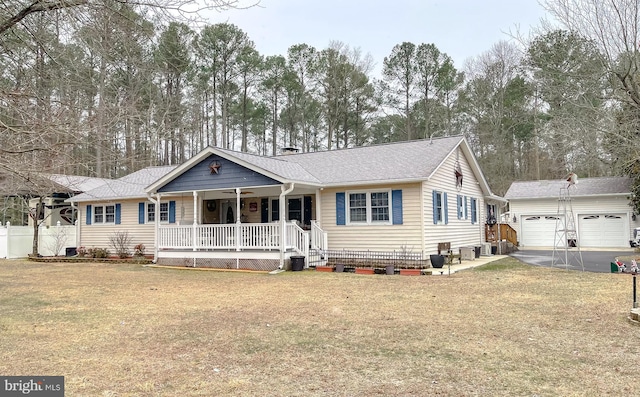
(98, 235)
(458, 232)
(374, 237)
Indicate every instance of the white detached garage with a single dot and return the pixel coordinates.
(602, 213)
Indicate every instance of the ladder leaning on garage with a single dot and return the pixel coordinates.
(566, 247)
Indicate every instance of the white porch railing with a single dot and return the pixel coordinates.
(297, 239)
(319, 239)
(265, 236)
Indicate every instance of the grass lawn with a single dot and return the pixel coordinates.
(505, 329)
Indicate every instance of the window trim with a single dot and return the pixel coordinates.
(147, 212)
(369, 208)
(440, 215)
(474, 210)
(103, 207)
(466, 211)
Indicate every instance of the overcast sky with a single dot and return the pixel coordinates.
(460, 28)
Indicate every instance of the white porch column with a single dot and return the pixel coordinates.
(283, 221)
(156, 224)
(238, 217)
(195, 220)
(319, 206)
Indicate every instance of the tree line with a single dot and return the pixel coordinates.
(106, 90)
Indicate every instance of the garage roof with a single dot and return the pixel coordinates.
(613, 185)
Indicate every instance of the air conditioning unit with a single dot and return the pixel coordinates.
(486, 248)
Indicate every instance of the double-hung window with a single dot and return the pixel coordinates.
(151, 212)
(474, 210)
(380, 207)
(369, 207)
(104, 214)
(438, 207)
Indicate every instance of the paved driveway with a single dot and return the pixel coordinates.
(594, 261)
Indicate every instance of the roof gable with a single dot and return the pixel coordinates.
(584, 187)
(272, 168)
(224, 174)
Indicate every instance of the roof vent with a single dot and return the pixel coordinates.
(289, 150)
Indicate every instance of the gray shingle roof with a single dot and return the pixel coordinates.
(401, 161)
(584, 187)
(44, 183)
(130, 186)
(278, 165)
(78, 183)
(413, 160)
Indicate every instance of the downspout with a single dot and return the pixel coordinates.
(155, 226)
(318, 241)
(283, 222)
(423, 247)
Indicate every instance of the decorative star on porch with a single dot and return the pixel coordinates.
(214, 167)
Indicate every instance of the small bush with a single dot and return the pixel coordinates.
(120, 242)
(81, 251)
(98, 253)
(139, 250)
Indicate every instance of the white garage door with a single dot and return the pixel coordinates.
(603, 230)
(538, 230)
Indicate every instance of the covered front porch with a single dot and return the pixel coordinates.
(236, 210)
(253, 229)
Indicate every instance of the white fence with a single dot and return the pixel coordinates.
(17, 241)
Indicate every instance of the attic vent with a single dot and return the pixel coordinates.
(289, 150)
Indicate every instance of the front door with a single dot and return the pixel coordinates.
(294, 210)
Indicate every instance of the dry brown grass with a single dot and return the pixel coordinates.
(508, 330)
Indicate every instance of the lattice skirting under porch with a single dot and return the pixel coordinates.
(222, 263)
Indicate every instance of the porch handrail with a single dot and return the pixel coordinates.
(216, 236)
(297, 239)
(175, 237)
(319, 238)
(506, 232)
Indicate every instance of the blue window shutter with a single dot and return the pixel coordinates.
(118, 214)
(140, 213)
(89, 215)
(434, 197)
(459, 205)
(396, 202)
(445, 208)
(172, 211)
(341, 209)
